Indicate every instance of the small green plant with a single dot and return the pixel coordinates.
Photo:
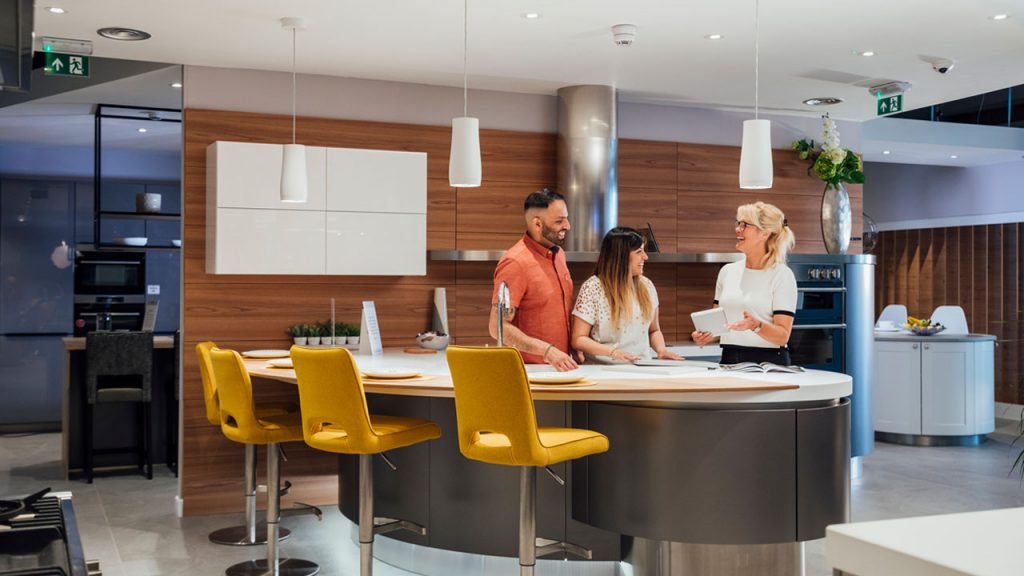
(297, 330)
(312, 330)
(353, 329)
(341, 330)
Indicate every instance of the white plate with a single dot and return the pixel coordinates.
(390, 374)
(280, 363)
(265, 354)
(131, 241)
(554, 377)
(888, 330)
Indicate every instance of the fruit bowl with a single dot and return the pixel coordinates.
(432, 340)
(928, 330)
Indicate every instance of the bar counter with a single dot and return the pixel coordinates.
(699, 458)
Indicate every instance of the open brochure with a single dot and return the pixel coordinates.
(763, 367)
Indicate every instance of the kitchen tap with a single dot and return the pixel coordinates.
(503, 297)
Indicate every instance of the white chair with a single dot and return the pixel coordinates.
(896, 313)
(952, 317)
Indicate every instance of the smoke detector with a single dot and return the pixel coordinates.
(624, 34)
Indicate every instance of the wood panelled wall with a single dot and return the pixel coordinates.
(688, 192)
(975, 267)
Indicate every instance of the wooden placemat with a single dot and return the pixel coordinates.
(569, 385)
(419, 378)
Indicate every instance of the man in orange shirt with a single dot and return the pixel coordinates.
(539, 285)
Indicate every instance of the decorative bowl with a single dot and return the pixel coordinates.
(131, 241)
(927, 330)
(432, 340)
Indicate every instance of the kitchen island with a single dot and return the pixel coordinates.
(700, 460)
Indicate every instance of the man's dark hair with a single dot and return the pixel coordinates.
(542, 199)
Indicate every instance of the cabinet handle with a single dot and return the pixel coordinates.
(914, 346)
(926, 347)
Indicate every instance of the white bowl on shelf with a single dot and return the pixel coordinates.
(176, 243)
(131, 241)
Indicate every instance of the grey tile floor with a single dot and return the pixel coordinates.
(129, 523)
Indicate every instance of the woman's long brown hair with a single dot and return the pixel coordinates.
(612, 270)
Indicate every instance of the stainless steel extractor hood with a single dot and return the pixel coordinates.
(587, 157)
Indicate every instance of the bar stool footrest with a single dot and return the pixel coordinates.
(385, 525)
(239, 535)
(283, 491)
(303, 509)
(286, 567)
(546, 547)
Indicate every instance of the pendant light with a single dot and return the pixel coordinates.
(464, 170)
(294, 185)
(756, 152)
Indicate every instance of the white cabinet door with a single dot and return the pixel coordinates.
(947, 388)
(248, 175)
(897, 393)
(376, 181)
(384, 244)
(242, 241)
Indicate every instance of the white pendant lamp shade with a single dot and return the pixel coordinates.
(464, 170)
(756, 154)
(294, 187)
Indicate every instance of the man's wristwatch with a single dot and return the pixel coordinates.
(757, 328)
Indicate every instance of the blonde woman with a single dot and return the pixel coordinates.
(616, 312)
(758, 292)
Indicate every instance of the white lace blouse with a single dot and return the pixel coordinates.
(632, 334)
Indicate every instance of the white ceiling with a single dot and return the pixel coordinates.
(807, 48)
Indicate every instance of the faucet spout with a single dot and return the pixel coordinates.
(503, 298)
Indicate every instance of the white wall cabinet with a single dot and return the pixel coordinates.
(366, 213)
(932, 387)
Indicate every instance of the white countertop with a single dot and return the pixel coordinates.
(812, 385)
(976, 543)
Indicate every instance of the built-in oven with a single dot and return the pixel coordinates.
(110, 273)
(818, 339)
(108, 313)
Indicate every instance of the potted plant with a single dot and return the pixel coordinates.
(298, 334)
(340, 333)
(353, 334)
(313, 334)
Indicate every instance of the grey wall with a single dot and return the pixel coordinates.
(906, 197)
(382, 101)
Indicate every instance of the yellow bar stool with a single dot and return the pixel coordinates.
(498, 425)
(253, 532)
(241, 423)
(335, 418)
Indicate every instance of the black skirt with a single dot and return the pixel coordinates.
(732, 354)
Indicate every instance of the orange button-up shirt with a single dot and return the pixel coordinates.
(541, 292)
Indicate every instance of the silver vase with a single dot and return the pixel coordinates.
(836, 219)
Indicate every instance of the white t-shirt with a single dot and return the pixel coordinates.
(631, 336)
(763, 293)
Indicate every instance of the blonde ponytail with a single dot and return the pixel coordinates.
(769, 218)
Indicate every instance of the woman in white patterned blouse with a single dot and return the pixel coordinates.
(616, 312)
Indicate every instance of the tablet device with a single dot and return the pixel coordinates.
(712, 321)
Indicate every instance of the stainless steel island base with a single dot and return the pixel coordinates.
(658, 558)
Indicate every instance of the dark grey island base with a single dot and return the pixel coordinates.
(686, 488)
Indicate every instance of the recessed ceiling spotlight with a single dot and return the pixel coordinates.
(886, 152)
(714, 36)
(531, 15)
(999, 16)
(867, 53)
(142, 130)
(59, 10)
(175, 84)
(823, 101)
(953, 156)
(126, 34)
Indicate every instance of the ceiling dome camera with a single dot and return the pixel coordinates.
(943, 65)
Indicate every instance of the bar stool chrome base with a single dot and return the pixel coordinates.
(285, 567)
(239, 535)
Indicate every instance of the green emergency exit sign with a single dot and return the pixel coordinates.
(66, 65)
(890, 104)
